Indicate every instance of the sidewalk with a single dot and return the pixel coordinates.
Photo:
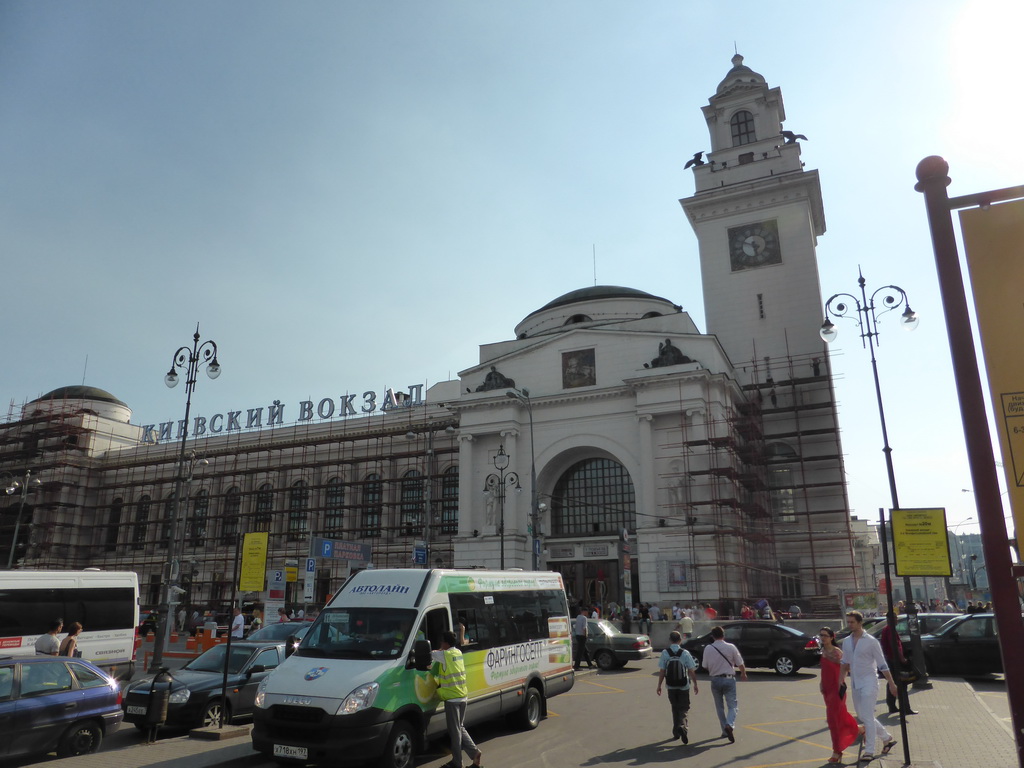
(178, 752)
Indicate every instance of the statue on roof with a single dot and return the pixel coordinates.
(668, 354)
(494, 380)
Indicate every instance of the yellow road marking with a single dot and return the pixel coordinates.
(797, 701)
(784, 722)
(816, 761)
(788, 738)
(596, 693)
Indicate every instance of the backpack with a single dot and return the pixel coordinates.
(675, 673)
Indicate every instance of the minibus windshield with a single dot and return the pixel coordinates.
(363, 633)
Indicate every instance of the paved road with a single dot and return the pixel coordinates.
(616, 718)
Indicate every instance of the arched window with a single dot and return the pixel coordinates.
(232, 510)
(114, 525)
(412, 504)
(334, 506)
(449, 502)
(742, 124)
(298, 511)
(373, 496)
(578, 319)
(263, 514)
(200, 510)
(141, 520)
(167, 527)
(594, 496)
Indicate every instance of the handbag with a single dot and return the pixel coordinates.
(842, 690)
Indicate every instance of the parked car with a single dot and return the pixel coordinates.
(966, 645)
(196, 691)
(869, 623)
(927, 622)
(611, 648)
(763, 644)
(280, 632)
(50, 703)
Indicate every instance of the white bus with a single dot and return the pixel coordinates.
(105, 603)
(356, 688)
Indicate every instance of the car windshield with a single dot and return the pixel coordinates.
(950, 625)
(605, 626)
(276, 632)
(213, 660)
(359, 633)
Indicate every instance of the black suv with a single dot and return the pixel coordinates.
(763, 644)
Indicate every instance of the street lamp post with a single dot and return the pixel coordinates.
(428, 491)
(188, 360)
(10, 485)
(496, 484)
(864, 312)
(523, 396)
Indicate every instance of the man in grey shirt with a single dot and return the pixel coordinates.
(48, 644)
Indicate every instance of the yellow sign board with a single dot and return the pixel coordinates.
(254, 562)
(291, 573)
(920, 542)
(995, 259)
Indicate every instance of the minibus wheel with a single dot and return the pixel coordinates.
(529, 715)
(400, 751)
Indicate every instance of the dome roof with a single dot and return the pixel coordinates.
(740, 77)
(597, 292)
(80, 393)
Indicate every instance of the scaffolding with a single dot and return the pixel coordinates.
(756, 490)
(366, 478)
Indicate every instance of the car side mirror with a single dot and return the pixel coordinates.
(421, 655)
(290, 645)
(255, 669)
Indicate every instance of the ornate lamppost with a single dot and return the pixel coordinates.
(495, 485)
(189, 360)
(523, 396)
(864, 312)
(10, 485)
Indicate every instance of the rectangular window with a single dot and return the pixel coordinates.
(506, 618)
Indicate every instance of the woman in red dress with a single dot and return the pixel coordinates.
(841, 724)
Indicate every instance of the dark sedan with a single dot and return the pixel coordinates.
(967, 645)
(763, 644)
(196, 691)
(611, 648)
(280, 632)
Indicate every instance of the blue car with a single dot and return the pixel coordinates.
(50, 703)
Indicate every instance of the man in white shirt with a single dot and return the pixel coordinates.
(863, 660)
(48, 644)
(238, 625)
(579, 633)
(721, 660)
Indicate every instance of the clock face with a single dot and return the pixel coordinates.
(754, 245)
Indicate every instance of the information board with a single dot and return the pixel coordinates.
(920, 542)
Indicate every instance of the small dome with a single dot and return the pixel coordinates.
(740, 77)
(597, 292)
(595, 304)
(80, 393)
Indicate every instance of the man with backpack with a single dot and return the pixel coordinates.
(677, 669)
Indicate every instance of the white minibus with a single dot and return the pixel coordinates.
(356, 688)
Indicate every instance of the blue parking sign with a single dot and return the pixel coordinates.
(326, 548)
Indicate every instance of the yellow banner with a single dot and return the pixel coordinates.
(254, 562)
(920, 543)
(993, 239)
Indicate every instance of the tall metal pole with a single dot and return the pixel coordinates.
(868, 322)
(894, 639)
(523, 396)
(24, 484)
(188, 360)
(932, 175)
(496, 483)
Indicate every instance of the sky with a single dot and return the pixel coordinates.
(352, 196)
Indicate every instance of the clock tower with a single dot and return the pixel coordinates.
(757, 215)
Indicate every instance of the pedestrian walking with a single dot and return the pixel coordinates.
(863, 660)
(182, 619)
(685, 626)
(48, 644)
(237, 624)
(721, 660)
(678, 670)
(449, 672)
(841, 725)
(69, 645)
(896, 661)
(579, 636)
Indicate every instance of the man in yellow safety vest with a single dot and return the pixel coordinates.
(449, 673)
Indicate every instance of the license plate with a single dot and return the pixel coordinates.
(298, 753)
(132, 710)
